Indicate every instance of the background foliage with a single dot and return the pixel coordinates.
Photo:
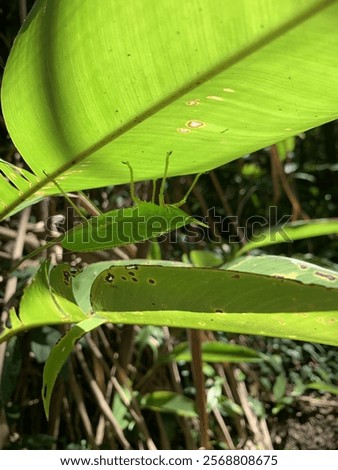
(272, 401)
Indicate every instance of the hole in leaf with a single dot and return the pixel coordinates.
(110, 277)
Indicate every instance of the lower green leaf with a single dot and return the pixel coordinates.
(214, 351)
(293, 231)
(285, 268)
(44, 302)
(216, 299)
(60, 353)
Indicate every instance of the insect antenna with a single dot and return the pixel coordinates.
(184, 200)
(65, 195)
(134, 198)
(162, 188)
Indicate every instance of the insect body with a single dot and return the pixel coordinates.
(123, 226)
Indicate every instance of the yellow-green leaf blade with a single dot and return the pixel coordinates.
(212, 299)
(88, 86)
(290, 232)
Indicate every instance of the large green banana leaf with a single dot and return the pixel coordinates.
(89, 84)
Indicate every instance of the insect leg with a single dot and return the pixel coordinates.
(153, 191)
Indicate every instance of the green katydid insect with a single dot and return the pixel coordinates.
(124, 226)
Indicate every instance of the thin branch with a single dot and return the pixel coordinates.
(100, 399)
(135, 412)
(225, 202)
(223, 428)
(10, 288)
(78, 397)
(262, 436)
(30, 240)
(297, 211)
(22, 10)
(195, 341)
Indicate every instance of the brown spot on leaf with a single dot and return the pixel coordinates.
(183, 130)
(215, 98)
(194, 124)
(193, 102)
(329, 277)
